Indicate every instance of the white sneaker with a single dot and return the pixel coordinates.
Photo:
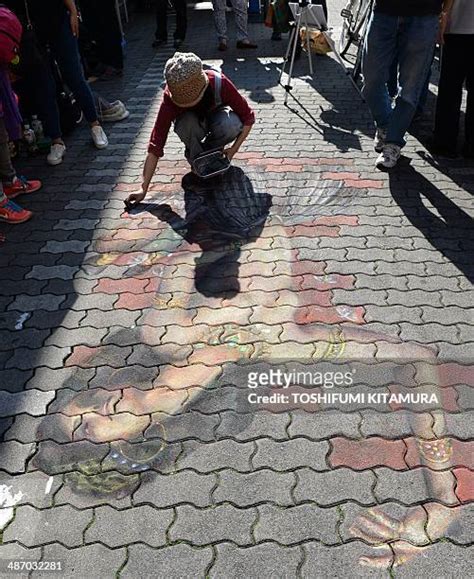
(379, 140)
(115, 117)
(99, 137)
(389, 156)
(114, 107)
(56, 154)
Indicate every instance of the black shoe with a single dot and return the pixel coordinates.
(159, 42)
(178, 42)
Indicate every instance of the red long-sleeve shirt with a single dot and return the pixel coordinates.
(169, 111)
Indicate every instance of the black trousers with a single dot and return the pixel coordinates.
(162, 20)
(100, 18)
(457, 67)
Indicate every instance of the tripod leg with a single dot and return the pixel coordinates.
(308, 43)
(288, 87)
(287, 54)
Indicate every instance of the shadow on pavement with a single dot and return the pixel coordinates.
(411, 191)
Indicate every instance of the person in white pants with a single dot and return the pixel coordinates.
(240, 10)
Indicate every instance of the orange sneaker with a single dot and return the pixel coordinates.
(13, 213)
(21, 185)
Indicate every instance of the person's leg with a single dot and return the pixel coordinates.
(426, 89)
(181, 19)
(380, 51)
(224, 127)
(66, 52)
(448, 105)
(9, 210)
(468, 40)
(416, 41)
(161, 32)
(192, 131)
(108, 37)
(42, 87)
(241, 19)
(7, 172)
(220, 19)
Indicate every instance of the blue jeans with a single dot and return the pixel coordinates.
(65, 51)
(220, 128)
(410, 41)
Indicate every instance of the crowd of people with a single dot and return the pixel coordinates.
(47, 54)
(62, 42)
(399, 50)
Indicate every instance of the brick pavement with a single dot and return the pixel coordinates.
(129, 446)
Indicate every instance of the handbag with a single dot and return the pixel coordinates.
(70, 113)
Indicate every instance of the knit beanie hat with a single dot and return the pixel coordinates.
(185, 78)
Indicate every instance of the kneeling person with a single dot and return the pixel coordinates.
(207, 110)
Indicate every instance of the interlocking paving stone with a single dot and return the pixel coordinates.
(28, 428)
(43, 319)
(33, 527)
(413, 486)
(105, 319)
(173, 489)
(189, 425)
(32, 402)
(140, 524)
(88, 561)
(51, 356)
(48, 302)
(14, 380)
(209, 457)
(327, 488)
(397, 424)
(174, 562)
(14, 552)
(320, 425)
(343, 561)
(5, 424)
(216, 524)
(465, 397)
(254, 488)
(266, 560)
(458, 425)
(290, 455)
(65, 246)
(440, 560)
(367, 453)
(73, 378)
(32, 488)
(65, 337)
(68, 493)
(99, 301)
(58, 271)
(251, 427)
(26, 338)
(297, 524)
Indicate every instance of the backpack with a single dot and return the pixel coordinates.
(10, 36)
